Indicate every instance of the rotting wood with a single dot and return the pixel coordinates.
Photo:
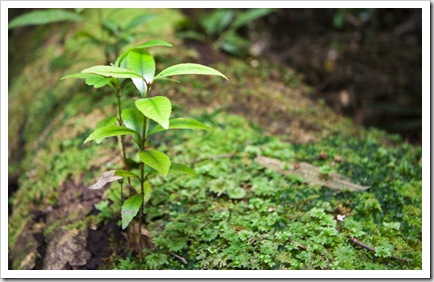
(311, 174)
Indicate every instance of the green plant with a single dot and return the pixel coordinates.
(279, 222)
(46, 16)
(111, 35)
(150, 115)
(220, 27)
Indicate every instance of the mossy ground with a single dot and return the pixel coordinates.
(234, 214)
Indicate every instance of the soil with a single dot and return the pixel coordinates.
(78, 247)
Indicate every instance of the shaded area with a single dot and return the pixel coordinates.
(365, 63)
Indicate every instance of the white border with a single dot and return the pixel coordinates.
(424, 273)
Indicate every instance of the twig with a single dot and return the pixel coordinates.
(299, 245)
(183, 260)
(401, 259)
(356, 241)
(369, 248)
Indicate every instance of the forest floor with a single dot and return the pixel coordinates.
(235, 213)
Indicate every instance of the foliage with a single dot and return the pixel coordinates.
(220, 27)
(112, 36)
(278, 222)
(138, 64)
(39, 17)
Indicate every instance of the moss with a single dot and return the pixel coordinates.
(280, 222)
(51, 228)
(91, 220)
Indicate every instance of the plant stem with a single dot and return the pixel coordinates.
(142, 187)
(121, 123)
(142, 179)
(120, 138)
(142, 190)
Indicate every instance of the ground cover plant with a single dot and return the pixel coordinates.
(236, 214)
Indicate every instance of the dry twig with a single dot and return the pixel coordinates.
(371, 249)
(182, 259)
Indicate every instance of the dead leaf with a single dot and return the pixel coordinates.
(311, 174)
(106, 177)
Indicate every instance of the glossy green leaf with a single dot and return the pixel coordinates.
(92, 79)
(134, 119)
(125, 173)
(150, 171)
(188, 68)
(104, 123)
(156, 160)
(108, 121)
(79, 75)
(181, 123)
(154, 43)
(98, 81)
(176, 168)
(112, 71)
(45, 16)
(130, 208)
(157, 108)
(141, 61)
(147, 190)
(169, 80)
(120, 61)
(109, 131)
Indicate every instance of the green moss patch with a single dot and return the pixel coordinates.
(235, 214)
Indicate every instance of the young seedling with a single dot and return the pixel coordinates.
(151, 115)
